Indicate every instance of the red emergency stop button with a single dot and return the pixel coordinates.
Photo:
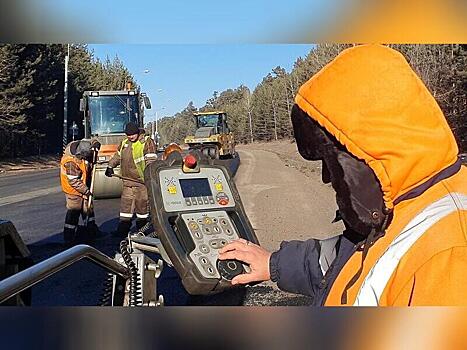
(190, 161)
(223, 201)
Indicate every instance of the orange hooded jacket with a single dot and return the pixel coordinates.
(375, 105)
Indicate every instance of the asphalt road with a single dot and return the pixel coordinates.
(282, 202)
(34, 203)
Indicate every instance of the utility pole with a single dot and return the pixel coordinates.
(65, 100)
(249, 116)
(157, 130)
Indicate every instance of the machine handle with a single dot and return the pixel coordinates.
(27, 278)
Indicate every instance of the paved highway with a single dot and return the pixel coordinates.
(276, 195)
(33, 201)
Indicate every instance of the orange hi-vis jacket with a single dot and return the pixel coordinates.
(374, 104)
(66, 176)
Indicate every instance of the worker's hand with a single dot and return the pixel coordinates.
(87, 194)
(109, 171)
(252, 254)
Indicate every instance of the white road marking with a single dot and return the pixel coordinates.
(29, 195)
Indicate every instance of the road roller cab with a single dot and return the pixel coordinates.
(106, 114)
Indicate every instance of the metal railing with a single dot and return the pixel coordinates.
(17, 283)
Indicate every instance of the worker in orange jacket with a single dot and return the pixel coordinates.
(75, 178)
(401, 190)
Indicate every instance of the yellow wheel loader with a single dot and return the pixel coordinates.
(213, 136)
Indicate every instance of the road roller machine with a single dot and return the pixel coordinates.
(106, 114)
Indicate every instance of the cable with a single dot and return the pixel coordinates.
(147, 230)
(107, 290)
(135, 297)
(135, 282)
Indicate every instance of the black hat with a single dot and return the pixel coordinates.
(131, 129)
(83, 149)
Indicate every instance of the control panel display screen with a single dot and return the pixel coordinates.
(195, 187)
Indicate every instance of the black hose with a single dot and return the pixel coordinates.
(135, 297)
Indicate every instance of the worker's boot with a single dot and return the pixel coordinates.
(122, 229)
(71, 226)
(140, 223)
(69, 235)
(94, 234)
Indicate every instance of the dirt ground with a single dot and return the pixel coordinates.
(10, 166)
(285, 200)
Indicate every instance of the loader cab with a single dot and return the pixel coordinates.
(217, 120)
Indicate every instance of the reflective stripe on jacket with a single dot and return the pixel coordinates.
(65, 178)
(372, 289)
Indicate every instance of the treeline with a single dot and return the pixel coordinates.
(264, 113)
(32, 91)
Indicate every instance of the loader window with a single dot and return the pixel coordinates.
(208, 120)
(110, 114)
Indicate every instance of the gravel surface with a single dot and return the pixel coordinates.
(285, 200)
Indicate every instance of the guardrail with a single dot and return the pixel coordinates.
(17, 283)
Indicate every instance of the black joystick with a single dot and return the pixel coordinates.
(228, 269)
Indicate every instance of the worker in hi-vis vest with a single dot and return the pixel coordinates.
(392, 159)
(133, 154)
(75, 178)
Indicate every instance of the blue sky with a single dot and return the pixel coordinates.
(179, 74)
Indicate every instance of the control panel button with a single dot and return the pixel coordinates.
(210, 270)
(198, 235)
(211, 200)
(188, 202)
(193, 226)
(217, 243)
(204, 261)
(205, 200)
(207, 220)
(190, 161)
(204, 248)
(194, 201)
